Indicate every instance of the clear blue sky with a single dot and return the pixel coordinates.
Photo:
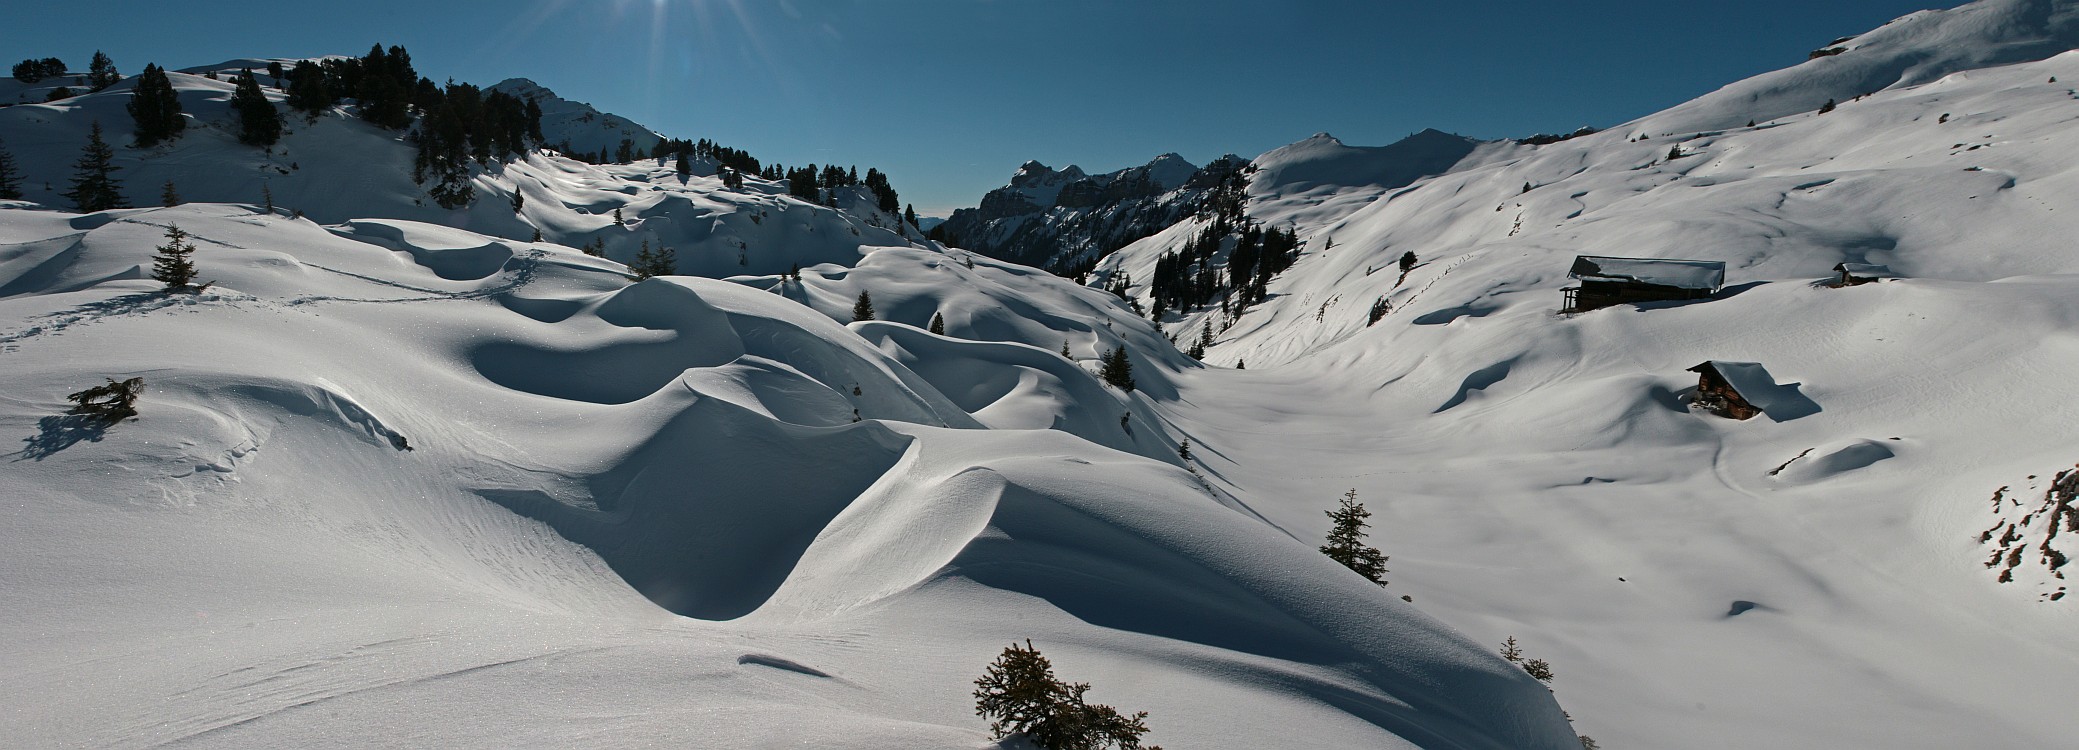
(949, 96)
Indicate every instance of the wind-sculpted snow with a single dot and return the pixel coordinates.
(395, 483)
(1547, 476)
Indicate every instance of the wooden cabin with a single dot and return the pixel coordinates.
(1607, 281)
(1856, 274)
(1724, 388)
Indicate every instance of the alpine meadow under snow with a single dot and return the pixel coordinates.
(409, 475)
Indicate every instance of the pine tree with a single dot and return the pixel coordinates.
(258, 122)
(1064, 351)
(685, 165)
(10, 176)
(101, 72)
(110, 403)
(1407, 263)
(1828, 107)
(663, 262)
(938, 324)
(1020, 696)
(172, 265)
(266, 199)
(307, 90)
(1116, 369)
(1184, 450)
(155, 108)
(863, 309)
(618, 221)
(1346, 541)
(94, 186)
(168, 196)
(909, 214)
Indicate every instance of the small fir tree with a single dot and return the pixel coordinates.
(618, 221)
(1116, 369)
(168, 196)
(663, 262)
(94, 186)
(1407, 263)
(863, 309)
(1346, 540)
(258, 122)
(1827, 107)
(1020, 696)
(101, 72)
(10, 176)
(938, 324)
(1184, 450)
(155, 108)
(172, 265)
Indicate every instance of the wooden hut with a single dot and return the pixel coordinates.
(1607, 281)
(1855, 274)
(1725, 388)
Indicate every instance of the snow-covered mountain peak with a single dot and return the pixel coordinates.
(584, 128)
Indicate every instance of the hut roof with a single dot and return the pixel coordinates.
(1707, 275)
(1866, 270)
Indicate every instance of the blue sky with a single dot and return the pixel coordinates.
(949, 96)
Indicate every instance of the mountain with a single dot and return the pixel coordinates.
(1882, 545)
(577, 124)
(1059, 219)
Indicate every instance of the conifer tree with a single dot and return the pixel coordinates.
(94, 186)
(863, 309)
(618, 221)
(1184, 450)
(663, 262)
(171, 265)
(685, 165)
(909, 214)
(1407, 263)
(155, 108)
(101, 72)
(1828, 107)
(1346, 540)
(10, 176)
(168, 196)
(1020, 696)
(307, 90)
(938, 323)
(1116, 369)
(258, 122)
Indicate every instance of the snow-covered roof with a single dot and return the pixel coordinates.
(1750, 379)
(1866, 270)
(1681, 274)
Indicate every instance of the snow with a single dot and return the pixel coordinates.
(1706, 275)
(712, 510)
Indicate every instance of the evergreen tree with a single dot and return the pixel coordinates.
(307, 90)
(10, 176)
(1184, 450)
(94, 186)
(275, 71)
(1828, 107)
(155, 108)
(663, 262)
(1020, 696)
(1346, 541)
(618, 221)
(1407, 263)
(168, 196)
(258, 122)
(863, 309)
(1116, 369)
(110, 403)
(909, 214)
(172, 265)
(938, 323)
(1064, 350)
(685, 166)
(101, 73)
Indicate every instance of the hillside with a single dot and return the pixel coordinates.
(1880, 566)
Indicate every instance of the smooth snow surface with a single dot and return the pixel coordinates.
(403, 477)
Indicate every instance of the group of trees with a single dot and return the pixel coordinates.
(1189, 277)
(810, 183)
(33, 71)
(462, 124)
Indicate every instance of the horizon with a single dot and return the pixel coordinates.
(950, 97)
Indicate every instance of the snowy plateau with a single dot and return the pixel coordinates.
(410, 476)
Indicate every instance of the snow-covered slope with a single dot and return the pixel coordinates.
(585, 129)
(1823, 576)
(401, 484)
(336, 168)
